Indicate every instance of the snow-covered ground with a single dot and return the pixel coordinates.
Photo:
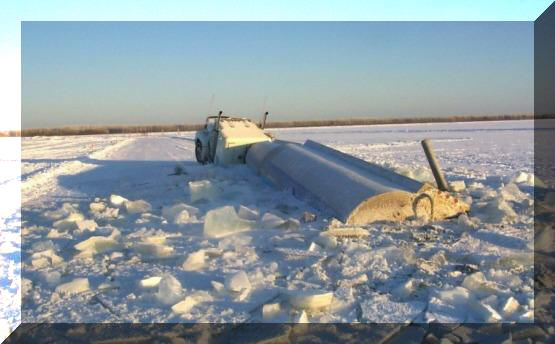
(130, 228)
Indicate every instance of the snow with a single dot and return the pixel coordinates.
(213, 243)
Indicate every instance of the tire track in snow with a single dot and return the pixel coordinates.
(39, 184)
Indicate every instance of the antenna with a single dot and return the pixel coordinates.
(212, 98)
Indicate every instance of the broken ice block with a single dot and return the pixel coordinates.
(137, 207)
(169, 290)
(510, 306)
(191, 301)
(150, 282)
(154, 250)
(218, 287)
(97, 244)
(78, 285)
(237, 282)
(270, 220)
(310, 299)
(457, 185)
(270, 310)
(178, 213)
(326, 240)
(194, 261)
(117, 201)
(203, 190)
(291, 224)
(89, 225)
(308, 217)
(224, 221)
(351, 232)
(314, 247)
(301, 318)
(51, 278)
(97, 207)
(478, 284)
(484, 312)
(248, 214)
(70, 222)
(404, 290)
(45, 258)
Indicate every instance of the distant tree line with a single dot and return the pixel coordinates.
(102, 130)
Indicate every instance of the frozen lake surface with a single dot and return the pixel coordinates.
(90, 257)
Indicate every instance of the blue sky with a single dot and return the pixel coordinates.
(166, 72)
(13, 12)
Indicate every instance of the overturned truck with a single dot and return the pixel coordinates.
(353, 190)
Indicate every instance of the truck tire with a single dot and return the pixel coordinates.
(199, 152)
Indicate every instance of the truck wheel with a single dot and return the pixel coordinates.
(198, 152)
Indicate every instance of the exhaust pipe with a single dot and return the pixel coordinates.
(434, 165)
(263, 124)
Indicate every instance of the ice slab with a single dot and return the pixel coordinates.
(237, 282)
(457, 185)
(270, 220)
(153, 250)
(70, 222)
(96, 244)
(271, 311)
(137, 207)
(510, 306)
(78, 285)
(203, 190)
(224, 221)
(309, 299)
(248, 214)
(478, 284)
(301, 318)
(52, 278)
(326, 240)
(347, 232)
(45, 258)
(179, 213)
(169, 290)
(65, 210)
(195, 261)
(484, 312)
(191, 301)
(150, 282)
(117, 201)
(97, 207)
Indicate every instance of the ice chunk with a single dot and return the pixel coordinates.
(203, 190)
(310, 299)
(169, 290)
(270, 220)
(527, 179)
(117, 201)
(195, 261)
(404, 290)
(76, 286)
(271, 310)
(96, 244)
(137, 207)
(224, 221)
(478, 284)
(291, 224)
(314, 247)
(178, 213)
(544, 239)
(97, 207)
(191, 301)
(45, 258)
(237, 282)
(496, 210)
(308, 217)
(381, 309)
(70, 222)
(248, 214)
(65, 210)
(326, 240)
(89, 225)
(457, 185)
(153, 250)
(511, 192)
(347, 232)
(466, 223)
(150, 282)
(52, 278)
(301, 318)
(218, 287)
(510, 306)
(484, 311)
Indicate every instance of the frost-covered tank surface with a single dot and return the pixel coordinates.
(355, 191)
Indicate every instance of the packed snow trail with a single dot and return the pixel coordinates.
(145, 234)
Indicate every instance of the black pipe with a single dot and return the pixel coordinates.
(434, 165)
